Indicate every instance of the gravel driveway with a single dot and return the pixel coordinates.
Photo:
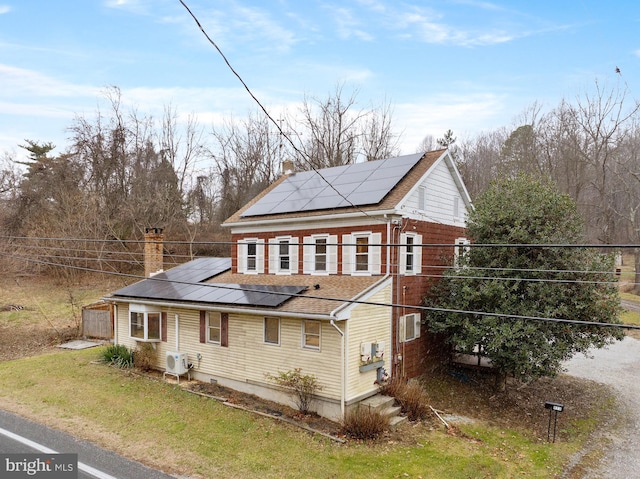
(617, 365)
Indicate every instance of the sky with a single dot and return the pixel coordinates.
(466, 65)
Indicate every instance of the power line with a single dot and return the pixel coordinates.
(302, 154)
(347, 301)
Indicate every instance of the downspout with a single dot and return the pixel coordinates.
(115, 324)
(342, 369)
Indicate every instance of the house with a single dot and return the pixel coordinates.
(326, 270)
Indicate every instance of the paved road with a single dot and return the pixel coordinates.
(618, 366)
(94, 461)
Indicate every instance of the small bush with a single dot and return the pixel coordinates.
(365, 423)
(414, 401)
(394, 387)
(118, 355)
(303, 387)
(144, 357)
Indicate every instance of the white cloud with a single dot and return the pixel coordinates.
(15, 82)
(4, 9)
(434, 116)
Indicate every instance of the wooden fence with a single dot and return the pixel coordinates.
(97, 321)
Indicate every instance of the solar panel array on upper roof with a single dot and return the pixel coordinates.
(359, 184)
(184, 283)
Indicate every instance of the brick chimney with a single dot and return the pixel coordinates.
(153, 251)
(287, 167)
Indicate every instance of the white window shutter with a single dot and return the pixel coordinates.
(294, 247)
(402, 254)
(417, 254)
(260, 257)
(242, 256)
(273, 256)
(416, 318)
(402, 329)
(375, 255)
(332, 254)
(308, 259)
(348, 254)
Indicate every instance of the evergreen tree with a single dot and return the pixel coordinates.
(530, 280)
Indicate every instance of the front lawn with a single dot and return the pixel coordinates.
(163, 426)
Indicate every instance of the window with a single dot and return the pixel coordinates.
(320, 257)
(409, 327)
(283, 255)
(145, 324)
(362, 254)
(410, 253)
(252, 256)
(461, 249)
(311, 334)
(272, 330)
(408, 259)
(320, 254)
(214, 328)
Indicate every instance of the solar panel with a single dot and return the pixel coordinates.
(359, 184)
(184, 283)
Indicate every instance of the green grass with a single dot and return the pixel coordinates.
(161, 425)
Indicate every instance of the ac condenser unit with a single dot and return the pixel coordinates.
(177, 363)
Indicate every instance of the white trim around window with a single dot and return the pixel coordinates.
(410, 253)
(283, 255)
(311, 334)
(362, 253)
(250, 256)
(320, 254)
(145, 323)
(214, 327)
(271, 330)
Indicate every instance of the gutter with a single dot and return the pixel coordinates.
(222, 309)
(298, 220)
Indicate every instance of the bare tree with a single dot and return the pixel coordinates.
(335, 132)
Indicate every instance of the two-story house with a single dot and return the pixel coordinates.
(327, 269)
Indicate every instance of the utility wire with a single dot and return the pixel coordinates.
(342, 300)
(271, 119)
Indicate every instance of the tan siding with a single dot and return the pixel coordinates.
(247, 358)
(367, 323)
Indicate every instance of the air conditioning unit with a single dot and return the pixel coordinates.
(177, 363)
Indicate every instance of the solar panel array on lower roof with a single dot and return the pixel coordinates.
(184, 284)
(359, 184)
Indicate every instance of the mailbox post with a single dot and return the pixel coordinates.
(554, 408)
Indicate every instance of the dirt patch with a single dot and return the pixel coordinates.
(254, 403)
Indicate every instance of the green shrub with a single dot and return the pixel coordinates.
(365, 423)
(302, 387)
(118, 355)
